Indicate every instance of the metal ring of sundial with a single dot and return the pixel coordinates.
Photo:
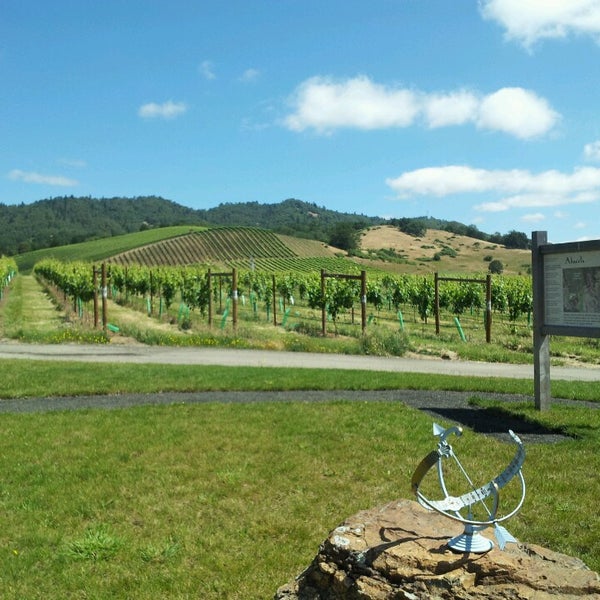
(450, 506)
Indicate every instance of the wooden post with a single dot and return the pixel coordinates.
(363, 300)
(436, 303)
(488, 308)
(104, 298)
(151, 293)
(209, 282)
(95, 283)
(323, 316)
(234, 293)
(541, 341)
(274, 302)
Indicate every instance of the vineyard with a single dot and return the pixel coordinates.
(241, 281)
(101, 249)
(8, 269)
(231, 246)
(185, 295)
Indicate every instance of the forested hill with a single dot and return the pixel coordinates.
(290, 217)
(69, 220)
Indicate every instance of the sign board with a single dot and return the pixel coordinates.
(566, 300)
(571, 288)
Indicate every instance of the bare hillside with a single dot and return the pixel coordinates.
(456, 253)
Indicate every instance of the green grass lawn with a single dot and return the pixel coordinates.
(230, 501)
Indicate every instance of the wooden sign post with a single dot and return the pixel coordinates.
(566, 300)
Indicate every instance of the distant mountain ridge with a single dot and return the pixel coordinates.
(68, 219)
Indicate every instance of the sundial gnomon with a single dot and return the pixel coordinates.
(476, 506)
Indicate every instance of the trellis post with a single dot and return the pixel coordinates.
(363, 297)
(95, 284)
(234, 293)
(104, 298)
(488, 301)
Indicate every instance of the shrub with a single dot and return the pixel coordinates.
(378, 343)
(496, 267)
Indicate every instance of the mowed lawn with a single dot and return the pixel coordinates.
(230, 501)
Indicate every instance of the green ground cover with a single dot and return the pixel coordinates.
(97, 250)
(232, 500)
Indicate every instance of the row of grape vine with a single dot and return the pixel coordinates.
(511, 295)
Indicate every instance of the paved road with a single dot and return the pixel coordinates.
(265, 358)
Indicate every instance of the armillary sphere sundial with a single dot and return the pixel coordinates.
(453, 506)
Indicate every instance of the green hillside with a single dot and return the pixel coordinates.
(241, 247)
(70, 220)
(102, 249)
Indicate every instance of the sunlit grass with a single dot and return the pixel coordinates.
(34, 378)
(231, 501)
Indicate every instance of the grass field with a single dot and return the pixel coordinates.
(466, 255)
(230, 501)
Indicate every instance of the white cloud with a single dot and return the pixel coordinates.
(523, 189)
(32, 177)
(250, 75)
(580, 225)
(533, 218)
(517, 112)
(529, 21)
(456, 108)
(207, 69)
(166, 110)
(592, 151)
(325, 105)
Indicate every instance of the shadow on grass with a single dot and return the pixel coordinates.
(496, 422)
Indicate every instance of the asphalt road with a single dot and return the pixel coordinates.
(107, 353)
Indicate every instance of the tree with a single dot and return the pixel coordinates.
(496, 266)
(414, 227)
(344, 236)
(516, 239)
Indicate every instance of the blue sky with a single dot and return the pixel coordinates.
(482, 112)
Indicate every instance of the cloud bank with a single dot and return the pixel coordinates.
(167, 110)
(521, 188)
(528, 21)
(325, 105)
(32, 177)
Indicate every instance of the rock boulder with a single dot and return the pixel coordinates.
(399, 552)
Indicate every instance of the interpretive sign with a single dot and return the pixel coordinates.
(570, 287)
(566, 299)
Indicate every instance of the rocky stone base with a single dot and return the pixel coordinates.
(399, 552)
